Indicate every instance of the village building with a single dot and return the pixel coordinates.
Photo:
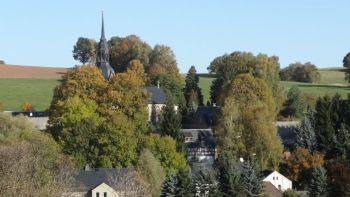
(279, 181)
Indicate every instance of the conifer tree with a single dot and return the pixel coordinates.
(169, 186)
(192, 93)
(318, 183)
(341, 140)
(251, 179)
(170, 124)
(228, 176)
(185, 185)
(324, 130)
(205, 183)
(305, 133)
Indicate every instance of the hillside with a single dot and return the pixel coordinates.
(19, 84)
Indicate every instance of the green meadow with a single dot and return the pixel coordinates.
(15, 91)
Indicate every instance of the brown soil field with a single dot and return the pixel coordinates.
(20, 71)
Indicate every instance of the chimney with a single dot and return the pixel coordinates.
(158, 84)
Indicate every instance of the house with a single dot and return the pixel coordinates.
(277, 180)
(155, 102)
(200, 145)
(101, 182)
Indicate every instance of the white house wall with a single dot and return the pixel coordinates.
(277, 180)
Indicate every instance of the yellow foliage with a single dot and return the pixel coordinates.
(27, 107)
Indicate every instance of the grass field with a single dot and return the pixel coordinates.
(14, 92)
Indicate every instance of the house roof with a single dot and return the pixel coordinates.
(89, 179)
(271, 190)
(202, 138)
(158, 95)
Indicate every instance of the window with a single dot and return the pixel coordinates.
(276, 177)
(104, 194)
(97, 194)
(279, 187)
(273, 178)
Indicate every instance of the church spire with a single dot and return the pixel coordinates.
(103, 29)
(102, 61)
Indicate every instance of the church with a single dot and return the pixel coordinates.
(158, 97)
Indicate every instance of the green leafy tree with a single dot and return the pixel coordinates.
(170, 124)
(85, 50)
(151, 171)
(164, 149)
(99, 122)
(31, 163)
(305, 133)
(318, 183)
(261, 66)
(246, 122)
(346, 64)
(295, 104)
(192, 93)
(251, 178)
(307, 73)
(123, 50)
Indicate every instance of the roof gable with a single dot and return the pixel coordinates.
(157, 95)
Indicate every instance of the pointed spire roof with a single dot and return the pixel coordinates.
(103, 29)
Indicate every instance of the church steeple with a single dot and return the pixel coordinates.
(103, 29)
(103, 55)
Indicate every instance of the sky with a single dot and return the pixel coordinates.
(43, 33)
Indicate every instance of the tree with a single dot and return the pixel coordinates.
(26, 107)
(151, 171)
(98, 122)
(229, 183)
(124, 50)
(164, 149)
(185, 186)
(251, 179)
(205, 183)
(307, 73)
(290, 193)
(2, 62)
(318, 183)
(301, 163)
(338, 177)
(169, 186)
(246, 122)
(163, 70)
(85, 50)
(170, 124)
(192, 93)
(261, 66)
(346, 64)
(341, 140)
(31, 163)
(295, 104)
(305, 133)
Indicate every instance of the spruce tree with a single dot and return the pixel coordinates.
(205, 183)
(318, 183)
(228, 175)
(305, 133)
(341, 140)
(169, 186)
(324, 124)
(192, 92)
(185, 186)
(251, 179)
(170, 124)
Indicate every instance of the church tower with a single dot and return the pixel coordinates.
(102, 59)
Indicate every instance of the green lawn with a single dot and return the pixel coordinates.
(38, 92)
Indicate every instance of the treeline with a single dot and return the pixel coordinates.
(299, 72)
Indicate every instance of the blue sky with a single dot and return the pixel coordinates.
(42, 33)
